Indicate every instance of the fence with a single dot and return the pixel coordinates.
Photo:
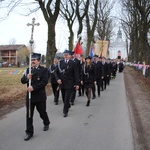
(142, 68)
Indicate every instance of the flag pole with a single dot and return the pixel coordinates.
(31, 50)
(78, 40)
(77, 45)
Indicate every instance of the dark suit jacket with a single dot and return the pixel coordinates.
(109, 68)
(88, 76)
(38, 82)
(99, 70)
(105, 68)
(51, 71)
(77, 61)
(68, 73)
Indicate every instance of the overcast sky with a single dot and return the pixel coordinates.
(15, 27)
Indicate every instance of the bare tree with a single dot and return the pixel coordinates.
(70, 10)
(68, 13)
(137, 20)
(50, 12)
(12, 41)
(91, 21)
(8, 7)
(81, 11)
(105, 21)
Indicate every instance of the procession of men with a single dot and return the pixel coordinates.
(70, 75)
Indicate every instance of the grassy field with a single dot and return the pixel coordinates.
(12, 91)
(11, 88)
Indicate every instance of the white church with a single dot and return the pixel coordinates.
(118, 47)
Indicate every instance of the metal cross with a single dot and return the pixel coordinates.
(32, 30)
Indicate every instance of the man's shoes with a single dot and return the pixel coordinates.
(72, 103)
(88, 103)
(28, 137)
(46, 127)
(98, 95)
(56, 103)
(93, 97)
(65, 115)
(69, 105)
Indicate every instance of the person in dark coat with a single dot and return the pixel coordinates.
(99, 73)
(121, 66)
(77, 61)
(54, 84)
(105, 69)
(109, 71)
(88, 77)
(39, 79)
(114, 69)
(81, 87)
(94, 60)
(68, 78)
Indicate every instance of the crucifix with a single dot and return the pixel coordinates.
(31, 49)
(32, 29)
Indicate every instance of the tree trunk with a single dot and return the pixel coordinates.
(71, 39)
(88, 44)
(51, 49)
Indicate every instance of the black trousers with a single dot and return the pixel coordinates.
(41, 108)
(66, 93)
(104, 83)
(98, 89)
(108, 79)
(81, 90)
(73, 95)
(55, 88)
(93, 90)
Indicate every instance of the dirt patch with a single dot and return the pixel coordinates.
(138, 98)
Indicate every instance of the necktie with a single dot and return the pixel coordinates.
(33, 70)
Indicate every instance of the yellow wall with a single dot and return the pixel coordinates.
(102, 47)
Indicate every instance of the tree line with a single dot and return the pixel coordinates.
(93, 20)
(136, 25)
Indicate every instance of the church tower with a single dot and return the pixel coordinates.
(119, 34)
(117, 48)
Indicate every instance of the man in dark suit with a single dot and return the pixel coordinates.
(68, 78)
(54, 84)
(77, 61)
(99, 73)
(109, 70)
(39, 79)
(95, 62)
(105, 69)
(81, 87)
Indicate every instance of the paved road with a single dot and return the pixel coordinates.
(105, 125)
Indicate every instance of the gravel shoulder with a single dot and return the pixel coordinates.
(138, 98)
